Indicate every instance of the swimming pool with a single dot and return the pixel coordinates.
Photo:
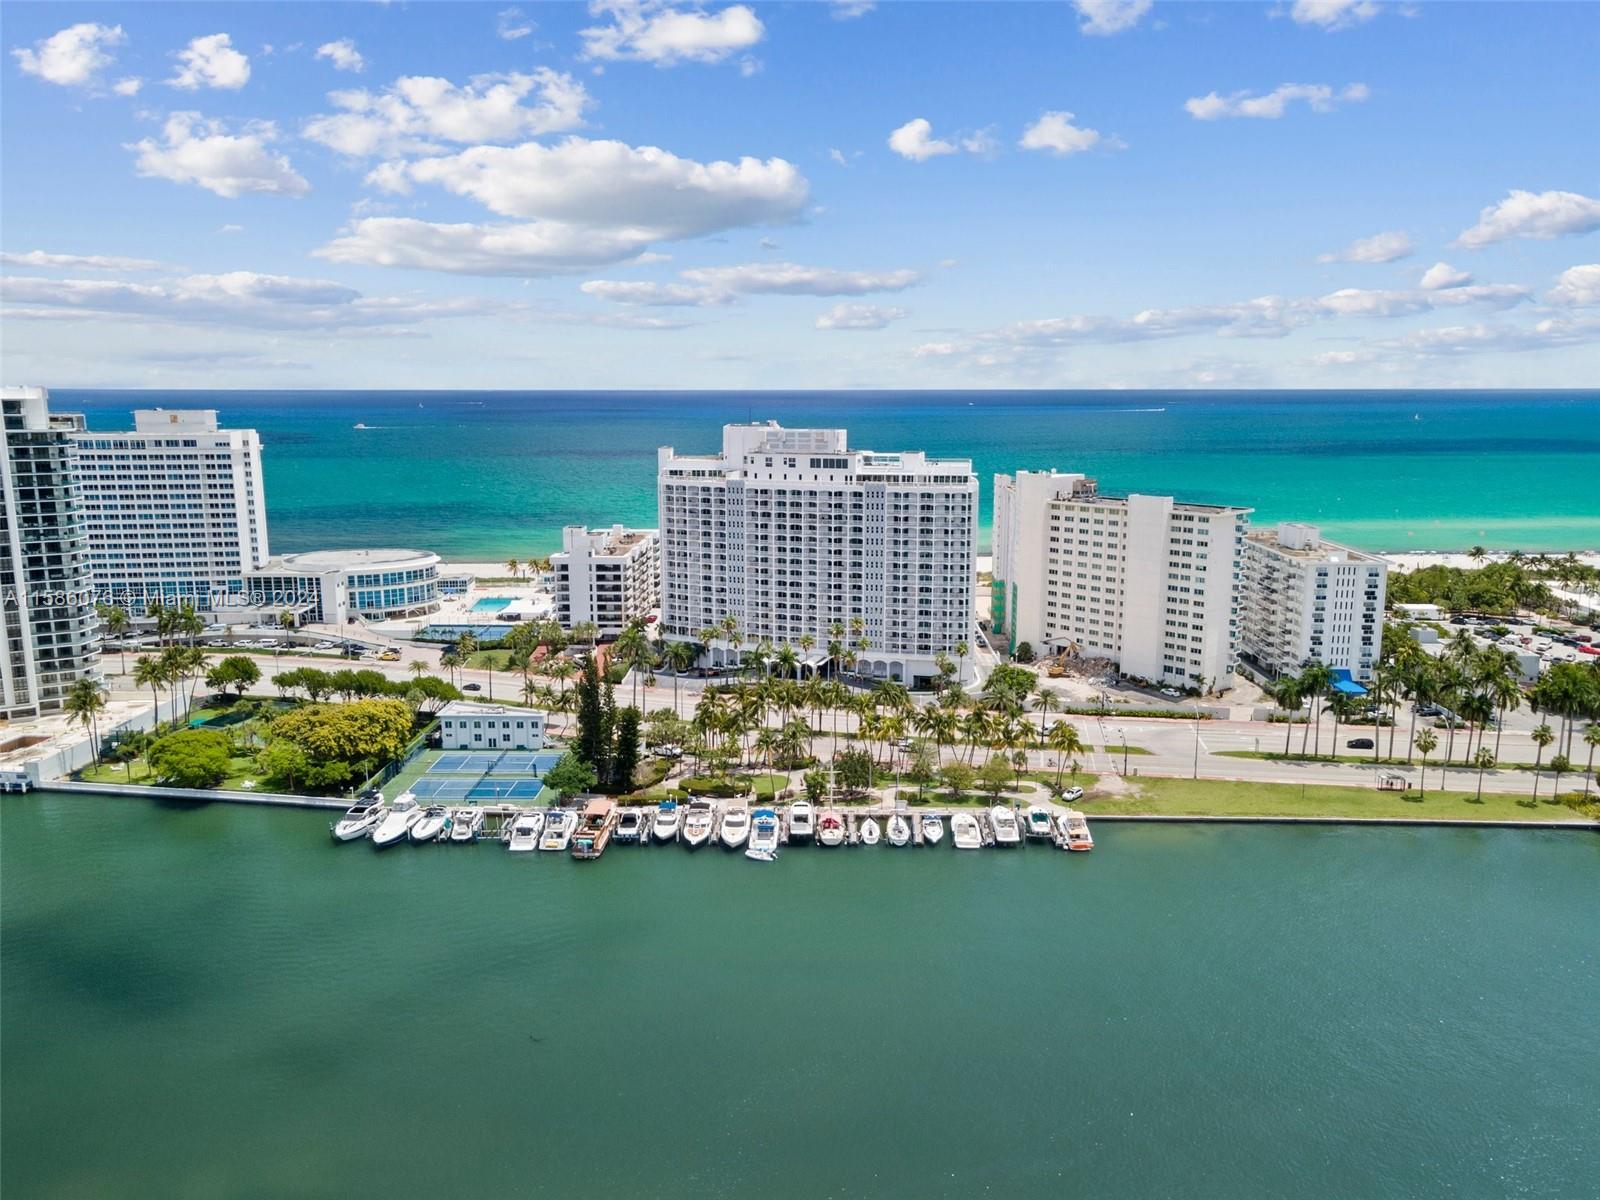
(491, 604)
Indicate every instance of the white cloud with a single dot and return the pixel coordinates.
(343, 55)
(1379, 248)
(1103, 18)
(849, 10)
(709, 286)
(72, 57)
(1363, 302)
(662, 33)
(418, 112)
(859, 316)
(128, 87)
(87, 262)
(196, 150)
(211, 62)
(510, 24)
(1541, 215)
(1577, 287)
(654, 294)
(1443, 275)
(1332, 14)
(1055, 132)
(1319, 97)
(838, 157)
(1488, 338)
(914, 140)
(544, 248)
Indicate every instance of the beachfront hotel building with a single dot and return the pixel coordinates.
(47, 619)
(611, 577)
(175, 510)
(792, 533)
(470, 725)
(1148, 582)
(332, 587)
(1308, 599)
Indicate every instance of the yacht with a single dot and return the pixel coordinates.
(899, 832)
(870, 833)
(965, 831)
(558, 826)
(665, 828)
(1075, 828)
(465, 823)
(593, 834)
(802, 820)
(932, 830)
(763, 835)
(1004, 822)
(697, 823)
(830, 828)
(525, 831)
(396, 822)
(430, 824)
(630, 825)
(1039, 823)
(735, 826)
(359, 821)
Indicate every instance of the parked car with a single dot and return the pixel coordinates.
(1171, 693)
(1072, 793)
(1359, 744)
(472, 687)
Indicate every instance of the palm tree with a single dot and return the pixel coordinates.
(84, 703)
(1591, 739)
(1064, 740)
(514, 567)
(147, 672)
(1482, 760)
(1288, 694)
(117, 623)
(1422, 687)
(787, 660)
(1542, 737)
(1427, 742)
(1044, 703)
(450, 660)
(962, 650)
(680, 656)
(1383, 688)
(1315, 680)
(1477, 554)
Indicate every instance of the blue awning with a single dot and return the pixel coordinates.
(1344, 685)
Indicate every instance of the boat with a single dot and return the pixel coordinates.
(558, 826)
(899, 831)
(697, 824)
(430, 824)
(1075, 828)
(359, 821)
(870, 833)
(525, 831)
(630, 825)
(735, 826)
(465, 823)
(763, 835)
(593, 834)
(802, 820)
(665, 828)
(932, 830)
(966, 832)
(1039, 823)
(1004, 822)
(396, 822)
(364, 425)
(830, 828)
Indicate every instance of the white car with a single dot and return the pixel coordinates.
(1172, 693)
(1072, 793)
(323, 646)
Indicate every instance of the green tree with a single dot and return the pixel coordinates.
(570, 776)
(1542, 737)
(625, 753)
(1427, 742)
(235, 671)
(852, 769)
(85, 701)
(594, 738)
(994, 777)
(1024, 652)
(816, 785)
(283, 764)
(922, 768)
(117, 623)
(348, 733)
(1483, 760)
(957, 778)
(191, 758)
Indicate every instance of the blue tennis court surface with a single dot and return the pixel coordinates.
(445, 787)
(476, 775)
(494, 762)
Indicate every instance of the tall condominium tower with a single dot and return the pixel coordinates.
(611, 577)
(796, 537)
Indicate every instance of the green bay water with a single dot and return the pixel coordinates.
(491, 475)
(217, 1002)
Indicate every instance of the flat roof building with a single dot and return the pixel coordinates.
(330, 587)
(611, 577)
(468, 725)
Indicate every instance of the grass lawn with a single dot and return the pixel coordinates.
(490, 660)
(1367, 760)
(241, 770)
(1119, 748)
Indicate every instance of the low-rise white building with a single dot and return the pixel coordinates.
(468, 725)
(611, 577)
(1145, 581)
(328, 587)
(1306, 599)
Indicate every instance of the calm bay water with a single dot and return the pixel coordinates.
(217, 1002)
(496, 474)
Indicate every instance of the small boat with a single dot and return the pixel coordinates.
(465, 823)
(430, 824)
(698, 823)
(966, 832)
(932, 830)
(558, 826)
(830, 828)
(593, 834)
(364, 814)
(899, 832)
(364, 425)
(396, 822)
(1040, 823)
(665, 828)
(525, 831)
(763, 835)
(735, 826)
(1075, 828)
(1004, 822)
(630, 825)
(802, 820)
(870, 833)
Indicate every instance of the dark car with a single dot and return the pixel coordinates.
(472, 687)
(1359, 744)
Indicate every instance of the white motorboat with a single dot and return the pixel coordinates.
(763, 835)
(802, 820)
(430, 824)
(966, 832)
(359, 821)
(1040, 823)
(630, 825)
(396, 823)
(465, 823)
(1004, 822)
(932, 830)
(666, 824)
(735, 826)
(870, 833)
(1075, 828)
(830, 828)
(525, 831)
(698, 823)
(899, 831)
(558, 826)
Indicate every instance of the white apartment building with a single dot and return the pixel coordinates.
(175, 510)
(611, 577)
(468, 725)
(1305, 598)
(48, 630)
(1146, 581)
(794, 535)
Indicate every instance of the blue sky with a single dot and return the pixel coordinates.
(1118, 193)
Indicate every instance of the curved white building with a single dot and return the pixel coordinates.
(327, 587)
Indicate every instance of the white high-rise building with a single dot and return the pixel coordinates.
(794, 535)
(48, 624)
(611, 577)
(175, 510)
(1146, 581)
(1308, 599)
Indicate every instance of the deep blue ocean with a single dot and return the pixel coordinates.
(489, 475)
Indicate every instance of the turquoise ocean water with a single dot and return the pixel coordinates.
(217, 1002)
(495, 474)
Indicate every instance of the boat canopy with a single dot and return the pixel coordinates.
(599, 808)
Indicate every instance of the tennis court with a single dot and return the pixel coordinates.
(461, 787)
(532, 763)
(484, 775)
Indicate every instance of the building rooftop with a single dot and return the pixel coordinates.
(1305, 542)
(317, 561)
(472, 708)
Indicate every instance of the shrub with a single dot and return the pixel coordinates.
(191, 758)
